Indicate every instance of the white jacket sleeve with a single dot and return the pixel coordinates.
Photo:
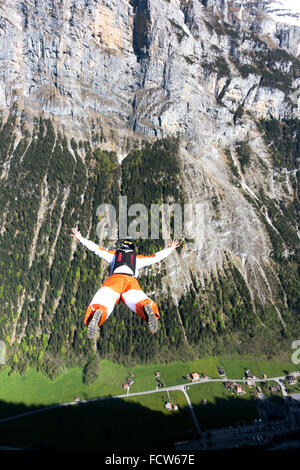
(143, 261)
(107, 255)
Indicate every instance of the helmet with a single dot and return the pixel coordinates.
(128, 243)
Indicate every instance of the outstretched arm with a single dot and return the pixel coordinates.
(76, 234)
(174, 244)
(107, 255)
(143, 261)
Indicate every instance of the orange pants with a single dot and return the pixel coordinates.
(116, 287)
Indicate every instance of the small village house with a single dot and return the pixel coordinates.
(239, 389)
(195, 376)
(274, 388)
(292, 379)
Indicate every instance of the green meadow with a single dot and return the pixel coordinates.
(35, 389)
(235, 368)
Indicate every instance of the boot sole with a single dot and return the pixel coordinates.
(151, 318)
(93, 324)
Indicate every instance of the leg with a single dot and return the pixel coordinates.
(136, 301)
(139, 303)
(104, 300)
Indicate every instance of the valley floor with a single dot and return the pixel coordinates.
(162, 406)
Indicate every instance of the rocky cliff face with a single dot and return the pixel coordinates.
(207, 72)
(138, 65)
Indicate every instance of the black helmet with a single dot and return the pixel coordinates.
(127, 243)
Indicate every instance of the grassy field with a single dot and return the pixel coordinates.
(172, 374)
(37, 390)
(235, 368)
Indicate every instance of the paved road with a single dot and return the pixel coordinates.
(191, 408)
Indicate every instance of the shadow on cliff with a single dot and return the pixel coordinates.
(141, 28)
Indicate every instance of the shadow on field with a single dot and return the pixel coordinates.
(108, 424)
(226, 412)
(120, 424)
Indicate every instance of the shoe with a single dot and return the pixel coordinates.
(151, 318)
(93, 324)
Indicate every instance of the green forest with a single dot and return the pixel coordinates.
(49, 185)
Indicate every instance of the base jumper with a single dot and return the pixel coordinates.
(122, 283)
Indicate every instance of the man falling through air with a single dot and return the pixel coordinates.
(122, 283)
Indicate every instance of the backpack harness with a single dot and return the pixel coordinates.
(125, 258)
